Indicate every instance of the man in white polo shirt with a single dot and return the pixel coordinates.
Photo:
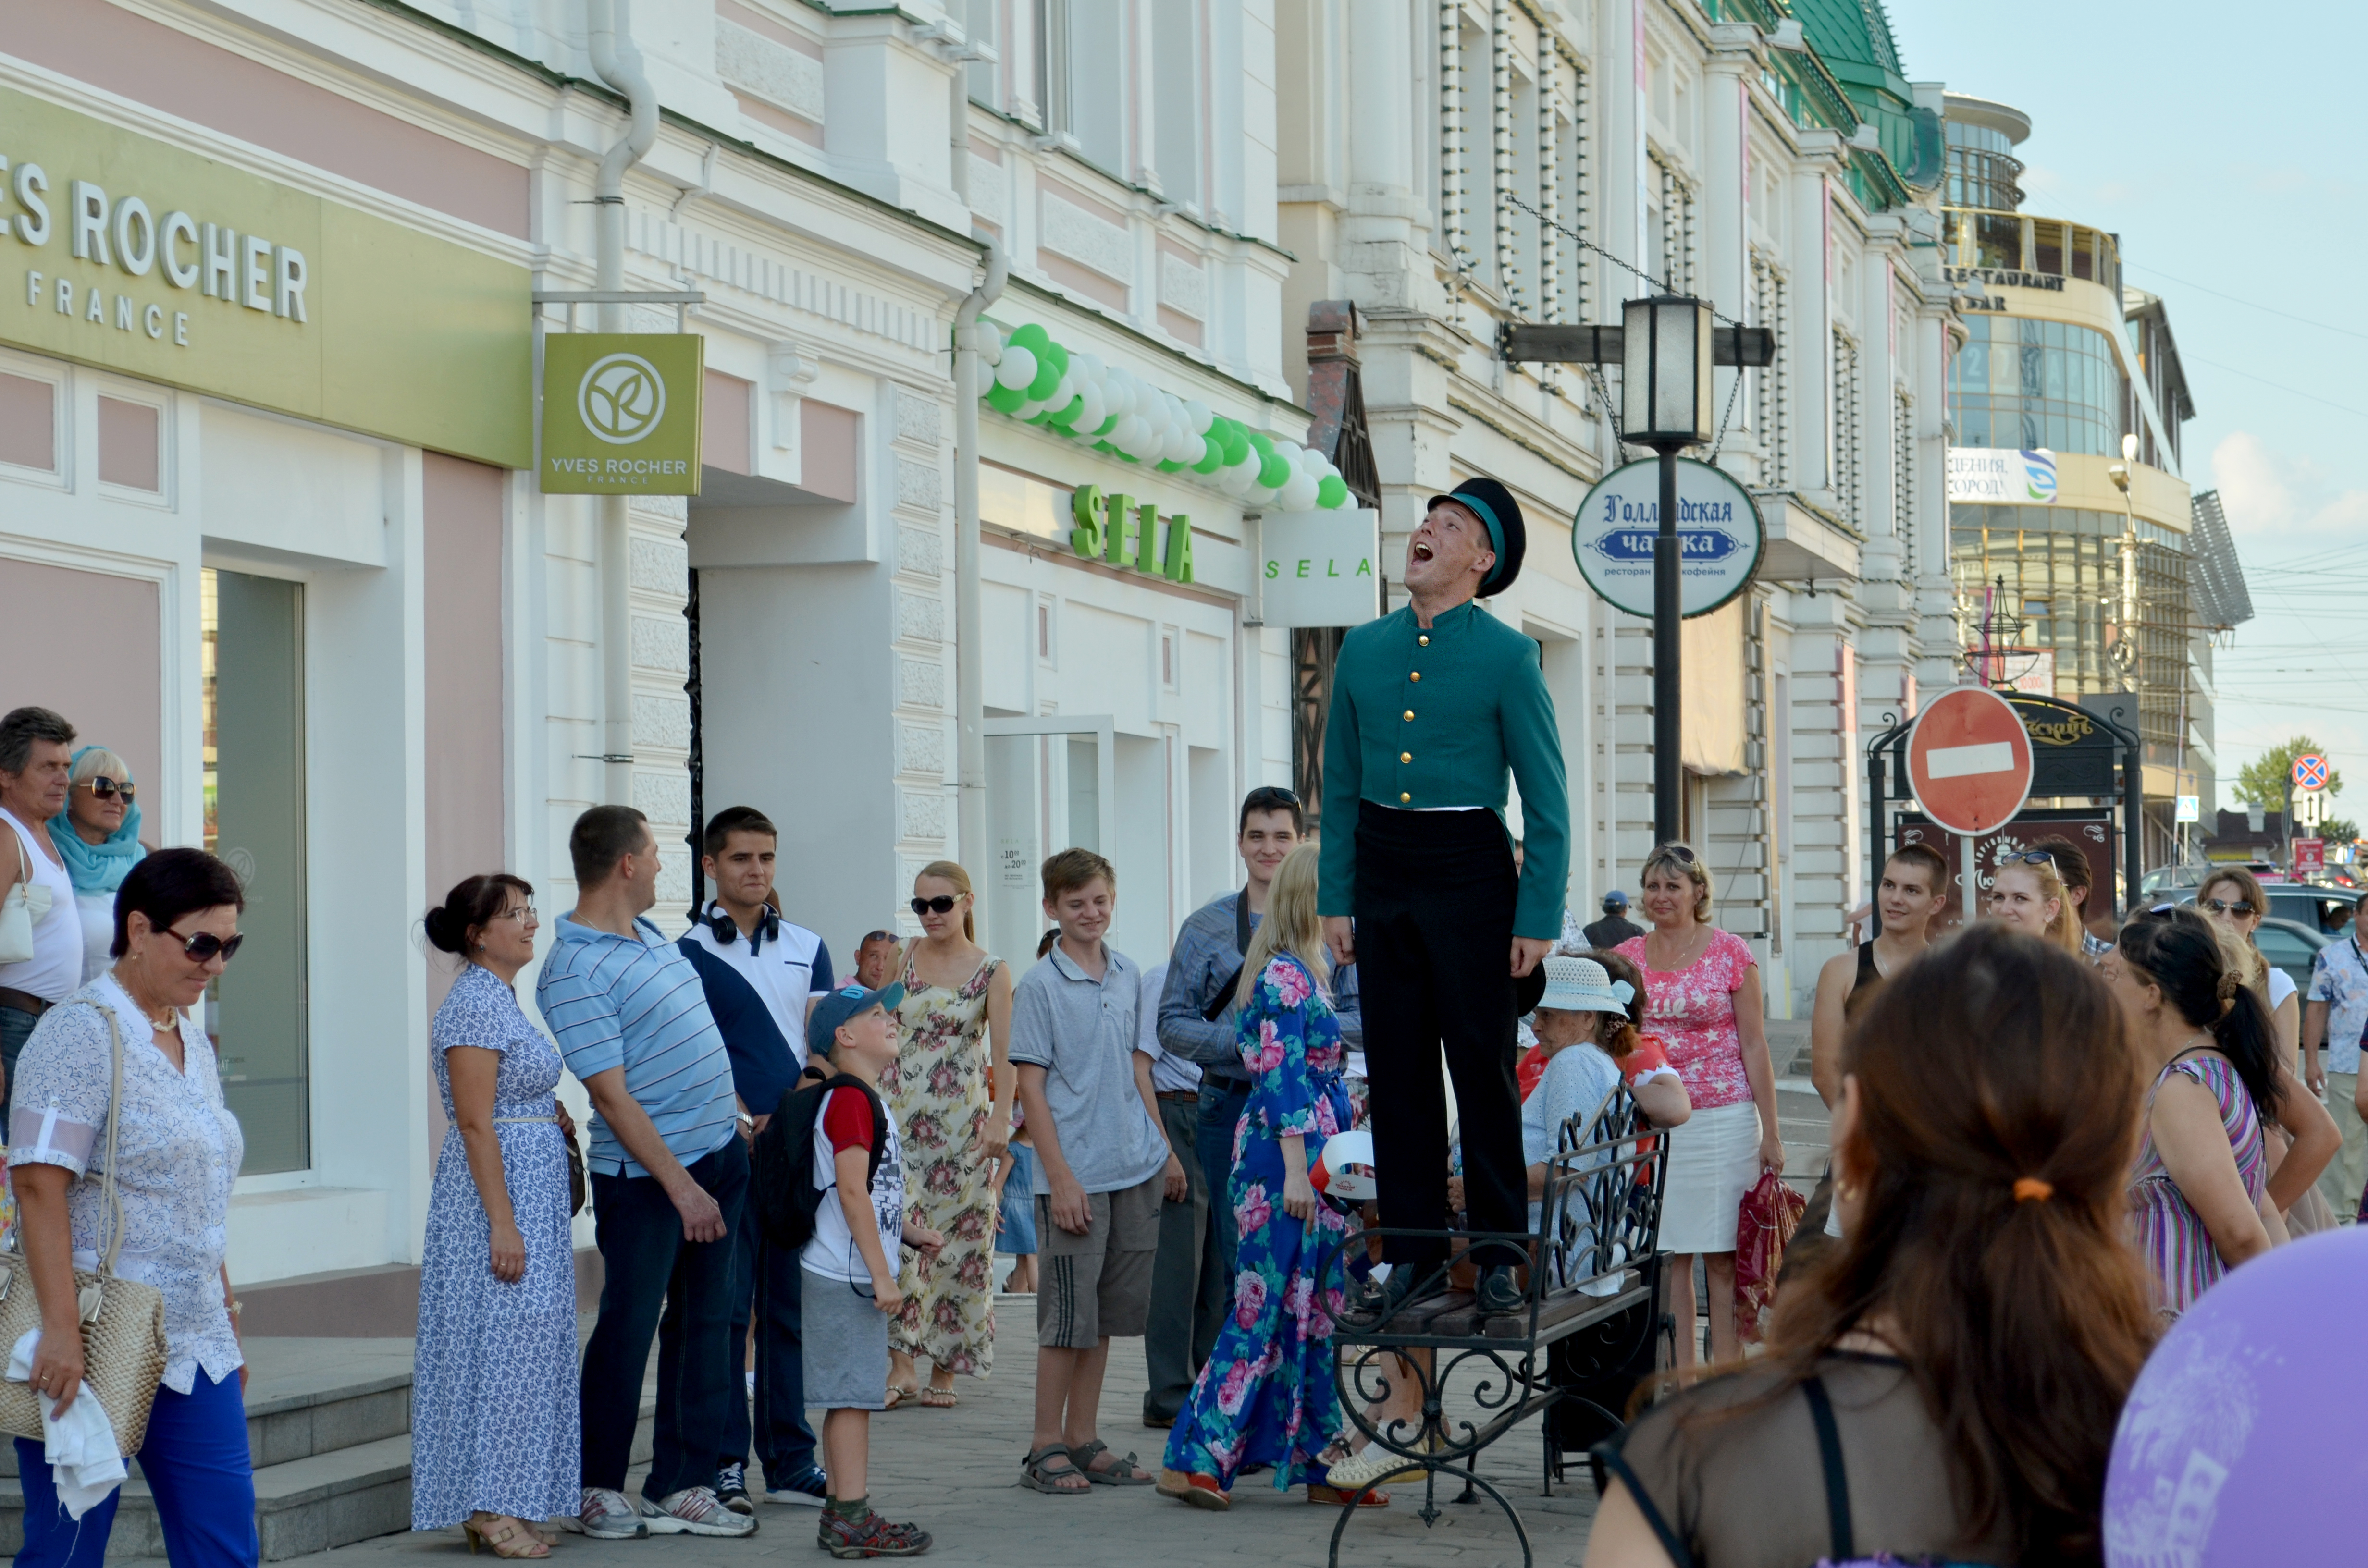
(761, 975)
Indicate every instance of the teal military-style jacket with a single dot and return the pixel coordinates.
(1426, 718)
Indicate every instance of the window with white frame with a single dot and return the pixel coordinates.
(980, 19)
(1079, 47)
(1903, 477)
(1771, 400)
(1177, 89)
(1678, 215)
(1563, 121)
(1847, 431)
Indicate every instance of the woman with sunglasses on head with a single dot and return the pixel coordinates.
(1705, 1009)
(2303, 1140)
(2204, 1040)
(97, 836)
(952, 1090)
(495, 1425)
(178, 1150)
(2026, 893)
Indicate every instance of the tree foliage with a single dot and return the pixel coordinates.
(2263, 781)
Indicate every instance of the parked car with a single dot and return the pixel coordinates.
(2290, 946)
(2327, 910)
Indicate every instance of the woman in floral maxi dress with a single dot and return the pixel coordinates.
(955, 1026)
(1266, 1394)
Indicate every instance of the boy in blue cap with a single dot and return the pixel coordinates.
(849, 1286)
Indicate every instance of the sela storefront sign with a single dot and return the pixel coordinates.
(1720, 536)
(138, 257)
(620, 413)
(1320, 568)
(2000, 476)
(1117, 531)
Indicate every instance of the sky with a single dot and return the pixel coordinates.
(2222, 143)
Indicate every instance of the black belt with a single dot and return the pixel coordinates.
(1193, 1095)
(23, 1001)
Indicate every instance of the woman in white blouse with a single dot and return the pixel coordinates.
(178, 1151)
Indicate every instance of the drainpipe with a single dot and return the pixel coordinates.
(611, 23)
(970, 674)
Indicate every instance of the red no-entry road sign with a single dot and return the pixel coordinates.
(1969, 761)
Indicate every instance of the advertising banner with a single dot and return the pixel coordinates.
(1720, 536)
(620, 413)
(2001, 476)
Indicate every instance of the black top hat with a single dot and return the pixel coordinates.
(1496, 509)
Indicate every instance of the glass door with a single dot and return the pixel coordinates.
(1050, 786)
(252, 652)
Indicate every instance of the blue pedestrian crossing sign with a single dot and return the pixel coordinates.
(2310, 771)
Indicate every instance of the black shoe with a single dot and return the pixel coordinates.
(731, 1488)
(1407, 1283)
(1499, 1291)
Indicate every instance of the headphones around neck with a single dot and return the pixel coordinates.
(727, 930)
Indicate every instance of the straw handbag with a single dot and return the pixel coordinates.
(123, 1345)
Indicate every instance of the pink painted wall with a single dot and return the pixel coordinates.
(149, 63)
(86, 645)
(466, 777)
(827, 441)
(724, 422)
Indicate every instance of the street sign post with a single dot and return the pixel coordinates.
(2309, 856)
(2309, 808)
(2310, 771)
(1969, 767)
(2190, 809)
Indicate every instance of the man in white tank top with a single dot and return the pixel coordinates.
(36, 761)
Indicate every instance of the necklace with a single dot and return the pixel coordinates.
(1686, 956)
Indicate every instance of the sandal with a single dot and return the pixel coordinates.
(936, 1398)
(1202, 1492)
(900, 1396)
(1332, 1496)
(1036, 1472)
(1119, 1472)
(508, 1537)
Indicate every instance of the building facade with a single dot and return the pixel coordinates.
(1451, 166)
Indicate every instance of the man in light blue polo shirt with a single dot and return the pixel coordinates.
(670, 1175)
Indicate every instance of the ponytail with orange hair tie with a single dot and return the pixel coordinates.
(2031, 1190)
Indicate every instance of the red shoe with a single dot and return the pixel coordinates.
(1202, 1492)
(870, 1535)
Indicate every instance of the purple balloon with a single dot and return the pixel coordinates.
(2241, 1442)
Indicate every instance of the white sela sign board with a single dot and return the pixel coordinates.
(1320, 568)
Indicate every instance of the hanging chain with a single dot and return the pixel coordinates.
(1733, 387)
(1584, 243)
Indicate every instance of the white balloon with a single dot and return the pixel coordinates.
(1132, 435)
(1120, 386)
(1299, 494)
(1311, 462)
(1260, 495)
(1018, 368)
(1088, 366)
(1090, 418)
(990, 344)
(1234, 482)
(1197, 416)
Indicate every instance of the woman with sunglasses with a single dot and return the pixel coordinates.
(2304, 1138)
(495, 1427)
(2203, 1038)
(952, 1090)
(178, 1153)
(2026, 893)
(97, 836)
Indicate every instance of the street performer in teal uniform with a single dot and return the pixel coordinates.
(1432, 705)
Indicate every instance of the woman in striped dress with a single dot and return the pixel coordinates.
(2198, 1194)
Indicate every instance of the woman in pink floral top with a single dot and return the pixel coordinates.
(1705, 1009)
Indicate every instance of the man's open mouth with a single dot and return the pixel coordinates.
(1420, 549)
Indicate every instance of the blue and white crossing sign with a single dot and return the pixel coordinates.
(2310, 771)
(1720, 536)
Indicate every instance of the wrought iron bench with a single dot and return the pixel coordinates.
(1593, 1284)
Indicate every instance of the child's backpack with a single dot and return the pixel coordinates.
(782, 1190)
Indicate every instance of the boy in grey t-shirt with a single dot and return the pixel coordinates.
(1102, 1167)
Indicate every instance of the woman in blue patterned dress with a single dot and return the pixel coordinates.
(1267, 1396)
(494, 1435)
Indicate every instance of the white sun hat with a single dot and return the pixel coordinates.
(1581, 985)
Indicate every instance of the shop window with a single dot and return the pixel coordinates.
(2047, 247)
(29, 422)
(251, 709)
(127, 444)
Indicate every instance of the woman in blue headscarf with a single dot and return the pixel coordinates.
(98, 836)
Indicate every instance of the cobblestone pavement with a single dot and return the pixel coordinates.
(956, 1473)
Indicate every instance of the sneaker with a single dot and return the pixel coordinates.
(809, 1488)
(731, 1488)
(872, 1536)
(695, 1510)
(607, 1515)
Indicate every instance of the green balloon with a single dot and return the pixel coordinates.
(1258, 439)
(1238, 445)
(1107, 425)
(1047, 381)
(1212, 454)
(1169, 465)
(1032, 338)
(1275, 472)
(1063, 417)
(1008, 399)
(1333, 492)
(1058, 355)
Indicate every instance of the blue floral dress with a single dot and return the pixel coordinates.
(1267, 1395)
(493, 1392)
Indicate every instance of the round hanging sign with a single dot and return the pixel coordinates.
(1720, 537)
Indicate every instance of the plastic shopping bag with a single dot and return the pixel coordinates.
(1770, 1214)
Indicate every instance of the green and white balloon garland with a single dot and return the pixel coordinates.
(1117, 412)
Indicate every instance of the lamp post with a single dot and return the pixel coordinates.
(1664, 398)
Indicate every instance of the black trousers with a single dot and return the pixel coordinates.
(1434, 910)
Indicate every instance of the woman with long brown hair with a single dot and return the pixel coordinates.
(1943, 1384)
(952, 1090)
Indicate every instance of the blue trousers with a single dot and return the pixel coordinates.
(196, 1462)
(681, 1291)
(766, 1285)
(1222, 1103)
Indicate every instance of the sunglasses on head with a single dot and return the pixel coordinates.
(1678, 852)
(2221, 906)
(204, 947)
(942, 904)
(871, 937)
(107, 788)
(2030, 857)
(1266, 796)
